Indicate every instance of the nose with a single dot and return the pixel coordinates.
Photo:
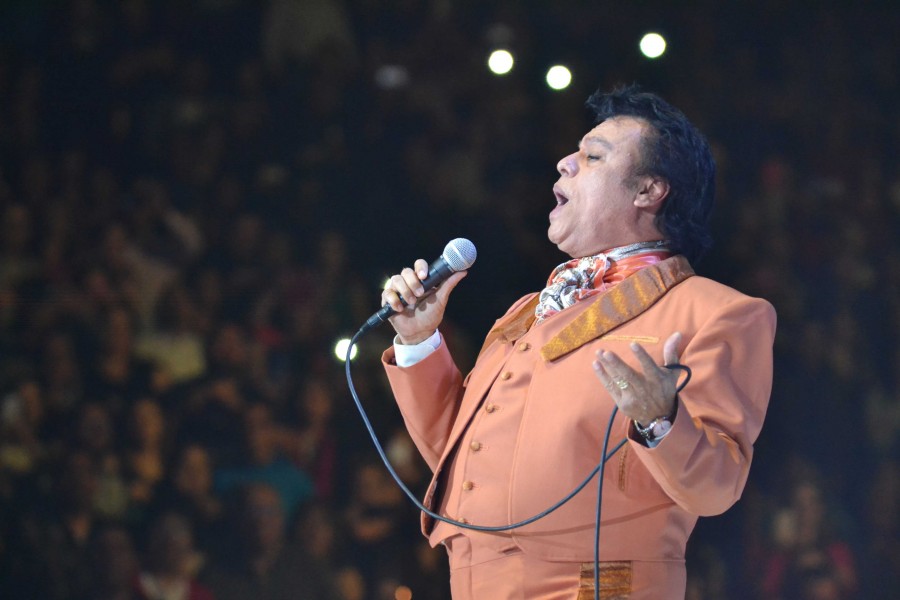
(568, 165)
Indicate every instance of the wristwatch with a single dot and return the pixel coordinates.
(656, 429)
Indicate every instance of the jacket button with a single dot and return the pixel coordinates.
(475, 446)
(467, 485)
(490, 408)
(505, 375)
(524, 347)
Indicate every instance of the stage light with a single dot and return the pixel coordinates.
(340, 349)
(500, 62)
(653, 45)
(559, 77)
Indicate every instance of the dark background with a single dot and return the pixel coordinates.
(199, 198)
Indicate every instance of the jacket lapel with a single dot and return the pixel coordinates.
(624, 302)
(513, 326)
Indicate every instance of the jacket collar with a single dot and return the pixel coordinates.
(625, 301)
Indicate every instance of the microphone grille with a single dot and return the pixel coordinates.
(459, 254)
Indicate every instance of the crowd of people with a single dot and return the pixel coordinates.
(193, 201)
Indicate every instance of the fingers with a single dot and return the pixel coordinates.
(616, 368)
(670, 349)
(612, 383)
(404, 288)
(612, 370)
(605, 378)
(647, 364)
(421, 267)
(398, 293)
(641, 395)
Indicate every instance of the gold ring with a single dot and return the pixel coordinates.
(622, 384)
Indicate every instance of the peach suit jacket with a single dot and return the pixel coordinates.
(651, 497)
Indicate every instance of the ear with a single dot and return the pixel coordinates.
(651, 192)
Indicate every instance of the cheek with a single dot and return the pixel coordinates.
(593, 197)
(596, 212)
(607, 201)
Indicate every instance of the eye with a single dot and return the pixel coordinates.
(593, 157)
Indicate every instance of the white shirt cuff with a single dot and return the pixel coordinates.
(407, 356)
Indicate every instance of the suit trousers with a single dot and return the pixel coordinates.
(513, 575)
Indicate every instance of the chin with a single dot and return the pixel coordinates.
(561, 248)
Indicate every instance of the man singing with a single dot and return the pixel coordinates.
(526, 426)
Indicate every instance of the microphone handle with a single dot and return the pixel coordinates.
(438, 272)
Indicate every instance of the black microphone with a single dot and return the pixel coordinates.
(459, 255)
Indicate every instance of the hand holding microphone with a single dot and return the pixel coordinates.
(414, 312)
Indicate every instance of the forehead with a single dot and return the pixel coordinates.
(623, 133)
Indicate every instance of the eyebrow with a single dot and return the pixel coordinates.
(593, 139)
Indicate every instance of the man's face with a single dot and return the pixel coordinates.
(595, 193)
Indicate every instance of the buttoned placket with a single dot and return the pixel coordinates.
(490, 409)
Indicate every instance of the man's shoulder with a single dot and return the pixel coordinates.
(708, 295)
(711, 288)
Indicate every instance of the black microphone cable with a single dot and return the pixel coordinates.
(687, 378)
(599, 469)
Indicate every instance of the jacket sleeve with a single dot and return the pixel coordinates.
(428, 394)
(703, 463)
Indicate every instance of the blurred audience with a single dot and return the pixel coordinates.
(188, 490)
(114, 565)
(50, 540)
(265, 463)
(195, 204)
(376, 517)
(261, 562)
(171, 563)
(811, 560)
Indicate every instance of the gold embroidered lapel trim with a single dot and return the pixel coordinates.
(624, 302)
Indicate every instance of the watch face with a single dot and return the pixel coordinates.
(661, 428)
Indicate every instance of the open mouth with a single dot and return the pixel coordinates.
(560, 197)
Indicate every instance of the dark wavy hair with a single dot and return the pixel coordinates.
(675, 151)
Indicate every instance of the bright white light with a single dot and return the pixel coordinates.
(340, 349)
(500, 62)
(559, 77)
(653, 45)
